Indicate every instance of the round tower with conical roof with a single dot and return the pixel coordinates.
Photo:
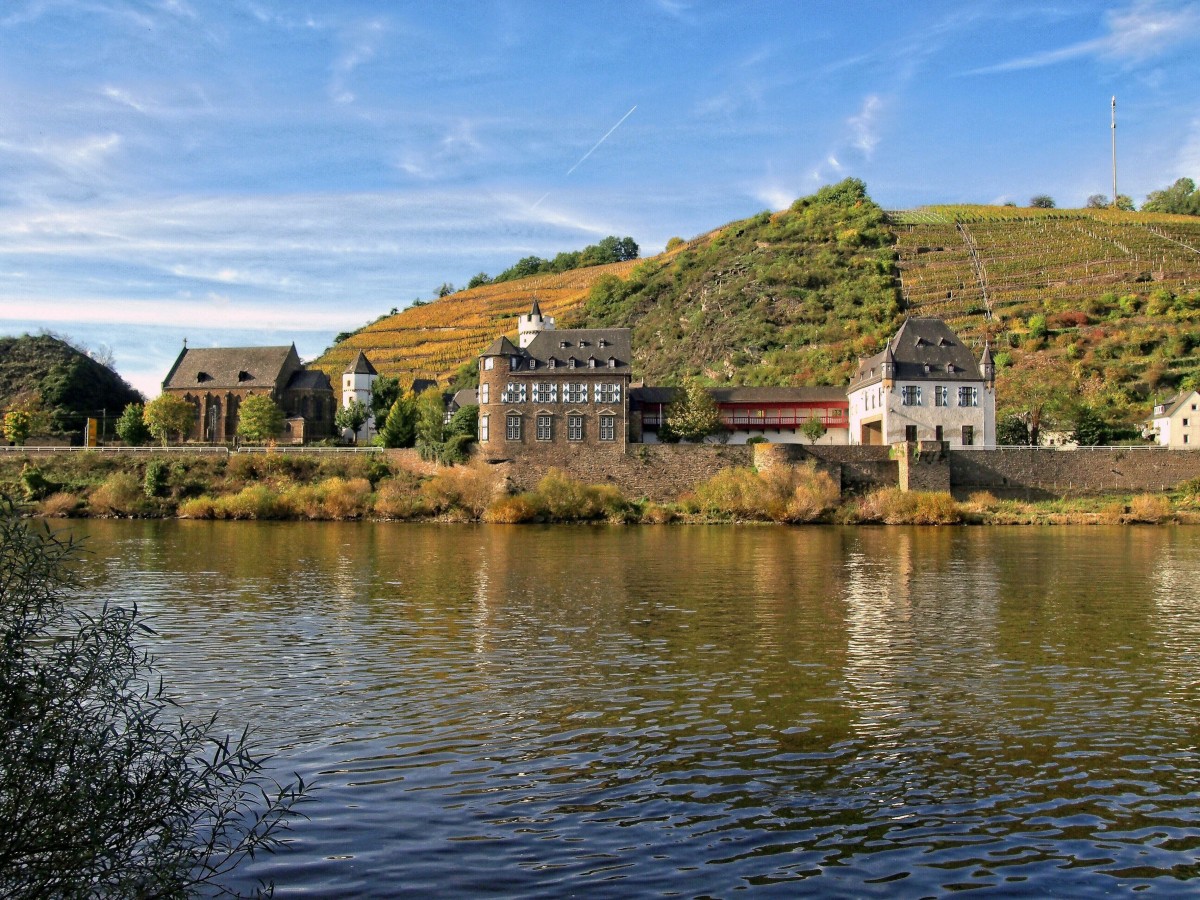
(528, 327)
(358, 383)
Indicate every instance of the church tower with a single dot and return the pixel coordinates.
(358, 383)
(529, 326)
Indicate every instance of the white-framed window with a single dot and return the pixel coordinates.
(544, 426)
(608, 428)
(512, 427)
(483, 429)
(514, 362)
(515, 392)
(485, 392)
(941, 395)
(545, 392)
(968, 396)
(574, 392)
(606, 392)
(489, 362)
(910, 395)
(574, 427)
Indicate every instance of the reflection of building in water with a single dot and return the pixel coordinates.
(919, 602)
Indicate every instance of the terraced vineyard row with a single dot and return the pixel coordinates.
(1056, 260)
(433, 340)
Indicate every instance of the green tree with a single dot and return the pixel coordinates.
(693, 415)
(1090, 428)
(259, 418)
(445, 289)
(1037, 326)
(1097, 201)
(813, 429)
(399, 428)
(105, 790)
(352, 416)
(465, 421)
(1012, 431)
(430, 417)
(1042, 201)
(131, 427)
(17, 425)
(1181, 198)
(384, 392)
(168, 415)
(479, 280)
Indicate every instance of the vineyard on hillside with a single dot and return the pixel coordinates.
(433, 340)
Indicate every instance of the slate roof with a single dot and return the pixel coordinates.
(360, 366)
(225, 368)
(921, 342)
(310, 379)
(581, 344)
(465, 397)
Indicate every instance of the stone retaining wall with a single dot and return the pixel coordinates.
(1034, 474)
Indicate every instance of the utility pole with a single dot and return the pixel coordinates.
(1114, 148)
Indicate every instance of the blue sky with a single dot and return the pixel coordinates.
(266, 171)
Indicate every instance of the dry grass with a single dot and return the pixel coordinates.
(60, 505)
(120, 494)
(466, 490)
(892, 506)
(790, 494)
(512, 510)
(1150, 509)
(400, 498)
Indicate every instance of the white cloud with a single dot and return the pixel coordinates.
(214, 311)
(1142, 32)
(360, 45)
(864, 126)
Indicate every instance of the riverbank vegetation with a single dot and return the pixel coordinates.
(341, 487)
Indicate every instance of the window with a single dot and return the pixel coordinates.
(607, 393)
(968, 435)
(571, 363)
(575, 428)
(574, 392)
(937, 434)
(608, 428)
(485, 392)
(514, 362)
(941, 395)
(512, 429)
(488, 363)
(543, 427)
(1185, 422)
(591, 362)
(910, 433)
(968, 396)
(545, 392)
(910, 395)
(612, 362)
(533, 364)
(1185, 439)
(483, 429)
(515, 392)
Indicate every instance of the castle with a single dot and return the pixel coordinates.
(558, 393)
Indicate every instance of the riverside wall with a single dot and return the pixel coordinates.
(1042, 474)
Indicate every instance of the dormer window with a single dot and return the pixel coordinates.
(514, 363)
(950, 368)
(921, 342)
(612, 362)
(245, 376)
(533, 364)
(552, 362)
(603, 342)
(571, 363)
(942, 342)
(582, 342)
(203, 377)
(926, 368)
(591, 362)
(562, 345)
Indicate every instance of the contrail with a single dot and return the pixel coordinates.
(589, 153)
(602, 140)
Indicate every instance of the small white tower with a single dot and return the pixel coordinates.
(358, 382)
(529, 326)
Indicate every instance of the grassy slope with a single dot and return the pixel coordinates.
(796, 297)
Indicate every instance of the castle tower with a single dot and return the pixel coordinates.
(529, 326)
(358, 383)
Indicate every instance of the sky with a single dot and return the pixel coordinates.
(263, 172)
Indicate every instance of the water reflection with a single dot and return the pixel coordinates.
(541, 711)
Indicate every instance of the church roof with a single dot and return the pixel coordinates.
(360, 366)
(225, 368)
(924, 349)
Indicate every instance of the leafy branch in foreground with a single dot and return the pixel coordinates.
(104, 789)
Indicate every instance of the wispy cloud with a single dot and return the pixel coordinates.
(1142, 32)
(361, 43)
(864, 125)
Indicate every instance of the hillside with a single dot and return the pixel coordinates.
(1101, 305)
(68, 385)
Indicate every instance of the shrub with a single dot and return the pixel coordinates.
(563, 499)
(256, 501)
(345, 498)
(34, 484)
(198, 508)
(984, 500)
(781, 493)
(107, 790)
(656, 514)
(59, 505)
(1149, 508)
(155, 480)
(893, 506)
(465, 488)
(457, 449)
(118, 495)
(400, 498)
(512, 510)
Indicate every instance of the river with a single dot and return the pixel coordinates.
(695, 711)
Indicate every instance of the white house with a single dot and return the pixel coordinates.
(358, 383)
(925, 385)
(1176, 422)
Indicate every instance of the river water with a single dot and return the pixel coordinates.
(695, 711)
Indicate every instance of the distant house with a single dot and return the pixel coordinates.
(925, 385)
(775, 413)
(358, 383)
(1176, 422)
(216, 379)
